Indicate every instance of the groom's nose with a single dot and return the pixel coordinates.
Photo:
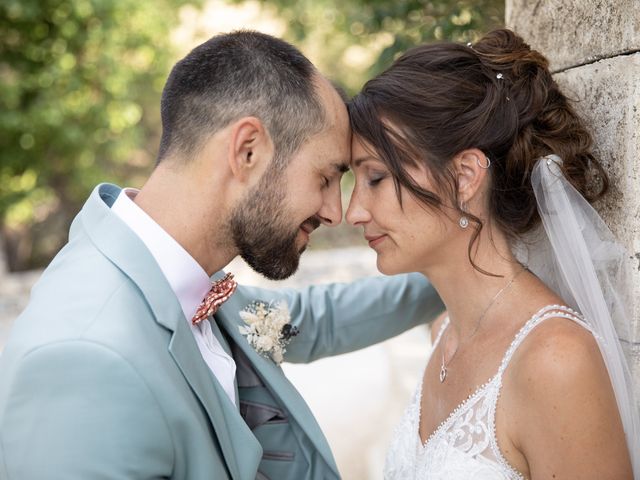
(330, 213)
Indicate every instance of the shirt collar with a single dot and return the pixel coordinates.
(187, 278)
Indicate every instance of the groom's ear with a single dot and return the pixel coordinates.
(471, 169)
(250, 149)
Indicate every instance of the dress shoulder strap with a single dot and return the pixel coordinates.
(443, 327)
(550, 311)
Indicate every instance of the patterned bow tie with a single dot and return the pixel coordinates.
(219, 293)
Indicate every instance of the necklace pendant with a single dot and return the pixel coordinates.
(443, 373)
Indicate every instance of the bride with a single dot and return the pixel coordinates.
(472, 168)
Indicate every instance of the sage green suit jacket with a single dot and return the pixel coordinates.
(101, 377)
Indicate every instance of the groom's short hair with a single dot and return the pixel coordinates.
(244, 73)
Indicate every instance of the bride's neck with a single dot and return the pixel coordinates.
(464, 289)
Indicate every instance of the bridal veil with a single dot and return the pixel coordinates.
(578, 257)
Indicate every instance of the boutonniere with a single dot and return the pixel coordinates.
(267, 328)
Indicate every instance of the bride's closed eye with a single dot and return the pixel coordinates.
(375, 178)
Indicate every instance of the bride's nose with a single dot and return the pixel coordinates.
(356, 212)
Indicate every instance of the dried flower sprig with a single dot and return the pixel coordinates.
(267, 328)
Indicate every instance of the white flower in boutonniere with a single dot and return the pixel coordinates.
(268, 329)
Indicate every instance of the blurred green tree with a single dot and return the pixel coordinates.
(353, 40)
(79, 88)
(80, 82)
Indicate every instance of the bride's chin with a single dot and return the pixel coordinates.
(388, 268)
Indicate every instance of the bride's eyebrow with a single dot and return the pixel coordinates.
(360, 160)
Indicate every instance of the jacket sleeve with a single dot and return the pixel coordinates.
(339, 318)
(97, 421)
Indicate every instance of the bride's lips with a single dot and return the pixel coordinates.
(375, 240)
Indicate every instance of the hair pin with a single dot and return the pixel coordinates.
(499, 76)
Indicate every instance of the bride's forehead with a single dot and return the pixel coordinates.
(361, 150)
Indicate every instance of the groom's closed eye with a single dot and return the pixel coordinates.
(342, 167)
(335, 173)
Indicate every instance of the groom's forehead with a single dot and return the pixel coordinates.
(330, 149)
(336, 158)
(335, 109)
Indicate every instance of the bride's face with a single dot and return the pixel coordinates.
(408, 237)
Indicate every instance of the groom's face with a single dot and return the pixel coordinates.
(272, 226)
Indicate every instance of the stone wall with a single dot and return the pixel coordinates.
(575, 32)
(594, 50)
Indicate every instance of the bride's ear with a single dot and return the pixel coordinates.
(471, 170)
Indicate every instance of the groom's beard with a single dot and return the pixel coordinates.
(262, 231)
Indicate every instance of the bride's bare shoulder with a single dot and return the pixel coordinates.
(558, 393)
(558, 348)
(557, 354)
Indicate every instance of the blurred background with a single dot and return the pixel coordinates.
(80, 85)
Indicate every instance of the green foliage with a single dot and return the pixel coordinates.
(354, 40)
(79, 88)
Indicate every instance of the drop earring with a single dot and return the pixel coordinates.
(464, 221)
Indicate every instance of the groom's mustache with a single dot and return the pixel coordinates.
(310, 224)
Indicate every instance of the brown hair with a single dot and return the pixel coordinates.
(497, 95)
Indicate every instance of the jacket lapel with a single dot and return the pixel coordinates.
(118, 243)
(273, 376)
(236, 439)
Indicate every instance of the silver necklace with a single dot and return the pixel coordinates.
(444, 365)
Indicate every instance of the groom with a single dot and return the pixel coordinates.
(118, 370)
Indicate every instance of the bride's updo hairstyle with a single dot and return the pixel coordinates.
(496, 95)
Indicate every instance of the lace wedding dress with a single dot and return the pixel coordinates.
(464, 446)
